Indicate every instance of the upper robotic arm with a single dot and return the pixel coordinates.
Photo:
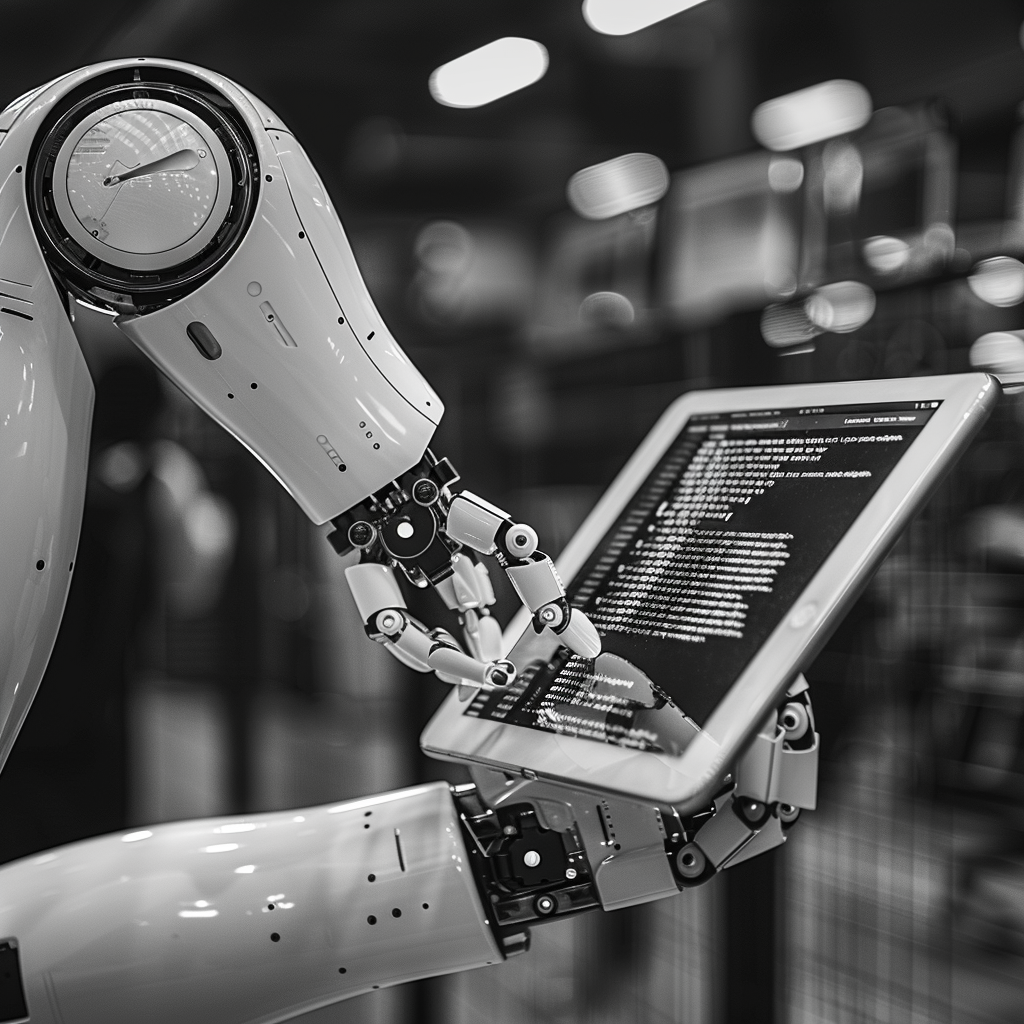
(174, 199)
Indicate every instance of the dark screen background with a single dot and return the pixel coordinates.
(763, 501)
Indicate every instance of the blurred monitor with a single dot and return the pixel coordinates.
(874, 206)
(879, 203)
(730, 236)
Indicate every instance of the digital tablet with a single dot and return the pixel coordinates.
(715, 567)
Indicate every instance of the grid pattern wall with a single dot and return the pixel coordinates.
(867, 885)
(653, 964)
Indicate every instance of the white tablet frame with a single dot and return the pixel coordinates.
(688, 780)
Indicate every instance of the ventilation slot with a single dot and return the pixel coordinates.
(275, 321)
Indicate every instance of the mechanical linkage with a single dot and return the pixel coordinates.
(419, 527)
(540, 850)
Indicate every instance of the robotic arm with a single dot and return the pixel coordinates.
(264, 918)
(175, 200)
(179, 203)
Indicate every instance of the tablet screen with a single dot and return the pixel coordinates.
(702, 564)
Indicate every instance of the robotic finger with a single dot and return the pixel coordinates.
(387, 621)
(490, 530)
(418, 528)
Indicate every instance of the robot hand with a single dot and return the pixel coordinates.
(421, 529)
(176, 201)
(266, 917)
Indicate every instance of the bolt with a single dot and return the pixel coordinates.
(545, 905)
(570, 873)
(361, 534)
(388, 621)
(531, 858)
(691, 861)
(509, 830)
(548, 614)
(788, 813)
(425, 492)
(751, 810)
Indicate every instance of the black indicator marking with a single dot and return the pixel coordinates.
(331, 452)
(202, 337)
(12, 992)
(398, 847)
(14, 312)
(270, 315)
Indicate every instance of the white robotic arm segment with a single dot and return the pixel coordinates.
(46, 398)
(234, 920)
(167, 195)
(490, 530)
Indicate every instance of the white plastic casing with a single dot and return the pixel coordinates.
(331, 382)
(174, 923)
(46, 398)
(536, 583)
(374, 588)
(474, 522)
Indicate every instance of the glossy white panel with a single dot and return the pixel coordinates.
(320, 400)
(334, 253)
(174, 923)
(46, 398)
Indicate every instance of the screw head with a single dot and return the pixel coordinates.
(690, 861)
(545, 905)
(531, 858)
(788, 813)
(361, 534)
(570, 873)
(751, 810)
(387, 621)
(425, 492)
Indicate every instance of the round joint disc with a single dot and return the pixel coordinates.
(142, 184)
(410, 531)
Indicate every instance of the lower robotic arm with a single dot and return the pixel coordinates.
(266, 917)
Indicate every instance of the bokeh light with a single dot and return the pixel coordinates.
(622, 17)
(617, 186)
(489, 72)
(999, 281)
(811, 115)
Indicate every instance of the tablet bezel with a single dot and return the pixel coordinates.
(688, 780)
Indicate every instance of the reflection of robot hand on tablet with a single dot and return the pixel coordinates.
(612, 765)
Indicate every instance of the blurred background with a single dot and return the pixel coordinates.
(738, 193)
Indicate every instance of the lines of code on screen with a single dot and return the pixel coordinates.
(710, 554)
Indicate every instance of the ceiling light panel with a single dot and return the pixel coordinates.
(489, 72)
